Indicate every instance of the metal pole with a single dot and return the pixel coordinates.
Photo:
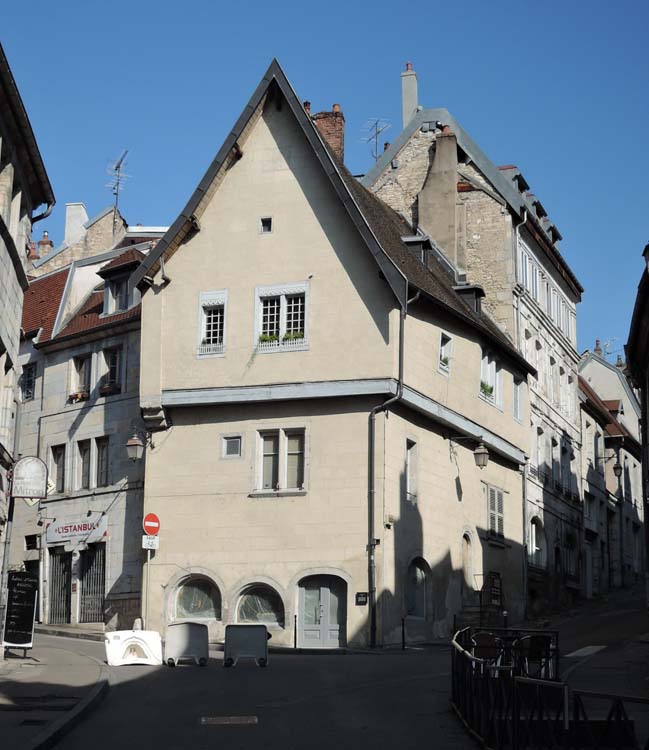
(620, 503)
(146, 596)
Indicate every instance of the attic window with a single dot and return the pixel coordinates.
(265, 225)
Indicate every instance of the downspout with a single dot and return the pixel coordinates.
(44, 215)
(525, 546)
(371, 484)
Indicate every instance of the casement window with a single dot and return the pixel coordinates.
(518, 400)
(110, 382)
(490, 380)
(282, 318)
(83, 472)
(82, 367)
(212, 309)
(411, 472)
(116, 298)
(57, 467)
(535, 283)
(538, 545)
(445, 346)
(231, 446)
(523, 271)
(282, 462)
(102, 461)
(495, 510)
(28, 382)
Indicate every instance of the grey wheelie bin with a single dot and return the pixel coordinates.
(186, 641)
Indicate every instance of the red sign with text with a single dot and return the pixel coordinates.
(151, 524)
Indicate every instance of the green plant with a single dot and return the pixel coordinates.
(267, 338)
(487, 389)
(443, 361)
(293, 336)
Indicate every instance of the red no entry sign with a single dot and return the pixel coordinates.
(151, 524)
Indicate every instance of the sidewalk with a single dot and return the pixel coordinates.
(44, 695)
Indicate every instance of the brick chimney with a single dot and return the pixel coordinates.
(598, 348)
(41, 248)
(332, 128)
(620, 362)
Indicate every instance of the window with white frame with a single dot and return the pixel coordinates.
(411, 472)
(496, 510)
(281, 465)
(28, 382)
(110, 382)
(518, 399)
(81, 377)
(282, 314)
(83, 470)
(57, 467)
(231, 446)
(102, 461)
(212, 323)
(490, 380)
(538, 545)
(445, 345)
(116, 296)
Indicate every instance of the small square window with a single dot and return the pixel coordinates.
(232, 446)
(31, 542)
(266, 225)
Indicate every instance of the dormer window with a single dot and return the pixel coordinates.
(116, 296)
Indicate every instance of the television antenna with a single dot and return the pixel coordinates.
(116, 184)
(373, 129)
(607, 346)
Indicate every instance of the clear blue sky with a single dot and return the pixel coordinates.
(558, 88)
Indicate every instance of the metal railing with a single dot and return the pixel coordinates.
(506, 708)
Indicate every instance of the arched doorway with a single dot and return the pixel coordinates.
(322, 612)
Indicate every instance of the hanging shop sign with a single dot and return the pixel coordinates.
(29, 478)
(77, 530)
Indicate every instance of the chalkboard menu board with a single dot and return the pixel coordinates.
(21, 608)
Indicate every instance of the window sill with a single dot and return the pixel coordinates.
(210, 350)
(444, 370)
(277, 493)
(490, 401)
(495, 541)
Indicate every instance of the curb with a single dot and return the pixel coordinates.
(58, 729)
(80, 634)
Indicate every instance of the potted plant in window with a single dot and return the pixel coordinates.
(79, 396)
(443, 361)
(293, 336)
(268, 338)
(486, 389)
(108, 389)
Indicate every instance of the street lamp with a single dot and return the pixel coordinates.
(617, 469)
(136, 444)
(480, 454)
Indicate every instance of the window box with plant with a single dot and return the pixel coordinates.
(77, 396)
(490, 380)
(445, 344)
(486, 390)
(281, 318)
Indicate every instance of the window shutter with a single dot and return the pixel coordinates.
(493, 514)
(501, 529)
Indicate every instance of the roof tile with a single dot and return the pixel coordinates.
(41, 303)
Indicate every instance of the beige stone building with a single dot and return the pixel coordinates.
(24, 187)
(78, 406)
(494, 233)
(319, 399)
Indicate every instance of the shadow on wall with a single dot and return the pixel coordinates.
(423, 598)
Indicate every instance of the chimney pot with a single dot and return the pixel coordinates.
(386, 145)
(336, 108)
(408, 66)
(598, 348)
(307, 107)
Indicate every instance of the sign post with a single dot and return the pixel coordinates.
(28, 479)
(151, 526)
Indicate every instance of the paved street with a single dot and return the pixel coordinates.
(299, 701)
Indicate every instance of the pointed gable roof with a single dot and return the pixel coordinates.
(378, 225)
(41, 304)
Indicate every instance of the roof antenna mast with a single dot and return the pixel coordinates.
(373, 129)
(118, 178)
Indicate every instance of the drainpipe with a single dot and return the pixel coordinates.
(525, 547)
(371, 484)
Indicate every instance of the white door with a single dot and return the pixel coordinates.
(322, 612)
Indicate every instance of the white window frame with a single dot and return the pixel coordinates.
(412, 472)
(491, 375)
(103, 366)
(283, 434)
(79, 468)
(52, 471)
(282, 291)
(517, 399)
(495, 510)
(224, 441)
(207, 300)
(445, 352)
(111, 295)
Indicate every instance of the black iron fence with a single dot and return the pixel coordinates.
(499, 697)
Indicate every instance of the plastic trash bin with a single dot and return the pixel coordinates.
(186, 640)
(245, 641)
(133, 647)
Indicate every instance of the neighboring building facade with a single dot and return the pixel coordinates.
(496, 234)
(637, 353)
(625, 511)
(80, 405)
(24, 186)
(319, 399)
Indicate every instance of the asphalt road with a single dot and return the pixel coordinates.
(299, 701)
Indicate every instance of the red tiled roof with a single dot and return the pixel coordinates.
(596, 401)
(88, 318)
(41, 303)
(130, 256)
(612, 405)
